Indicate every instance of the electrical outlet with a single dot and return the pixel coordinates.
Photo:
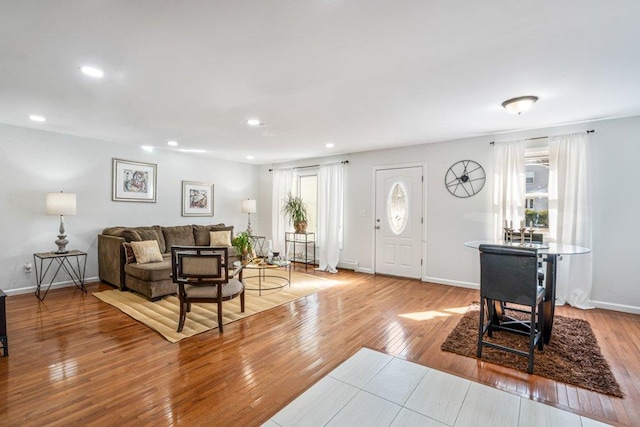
(28, 267)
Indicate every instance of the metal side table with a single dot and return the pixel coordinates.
(43, 262)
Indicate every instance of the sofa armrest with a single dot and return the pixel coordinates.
(111, 260)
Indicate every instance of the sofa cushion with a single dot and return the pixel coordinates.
(180, 235)
(145, 234)
(129, 255)
(201, 232)
(131, 235)
(146, 251)
(152, 272)
(220, 238)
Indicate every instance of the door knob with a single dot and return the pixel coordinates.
(377, 227)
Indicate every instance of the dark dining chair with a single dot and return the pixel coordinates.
(510, 275)
(202, 274)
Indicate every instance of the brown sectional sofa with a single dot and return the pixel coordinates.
(153, 280)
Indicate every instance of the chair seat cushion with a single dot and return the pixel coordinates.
(211, 291)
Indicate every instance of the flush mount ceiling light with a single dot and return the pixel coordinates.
(92, 72)
(37, 118)
(254, 122)
(329, 145)
(172, 143)
(147, 148)
(249, 157)
(520, 104)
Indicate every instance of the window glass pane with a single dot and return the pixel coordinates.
(537, 191)
(309, 193)
(397, 208)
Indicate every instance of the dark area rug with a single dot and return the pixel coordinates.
(572, 355)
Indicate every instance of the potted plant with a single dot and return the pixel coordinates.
(242, 242)
(295, 209)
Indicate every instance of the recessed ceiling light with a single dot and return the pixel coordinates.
(147, 148)
(329, 145)
(254, 122)
(249, 157)
(172, 143)
(192, 150)
(520, 104)
(37, 118)
(92, 72)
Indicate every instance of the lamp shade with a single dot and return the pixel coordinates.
(248, 206)
(61, 203)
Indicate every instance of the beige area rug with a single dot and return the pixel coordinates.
(162, 316)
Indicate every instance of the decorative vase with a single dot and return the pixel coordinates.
(300, 226)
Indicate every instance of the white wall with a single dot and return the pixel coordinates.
(451, 221)
(33, 163)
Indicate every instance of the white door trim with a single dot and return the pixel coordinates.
(423, 238)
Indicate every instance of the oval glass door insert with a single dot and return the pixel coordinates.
(397, 208)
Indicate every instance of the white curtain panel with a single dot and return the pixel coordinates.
(508, 185)
(570, 215)
(330, 215)
(283, 183)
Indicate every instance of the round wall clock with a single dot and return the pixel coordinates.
(465, 178)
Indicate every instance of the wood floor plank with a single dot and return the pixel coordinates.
(78, 361)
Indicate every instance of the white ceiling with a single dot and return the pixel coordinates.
(363, 74)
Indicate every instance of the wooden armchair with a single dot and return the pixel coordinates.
(202, 275)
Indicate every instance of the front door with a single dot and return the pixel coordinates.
(399, 222)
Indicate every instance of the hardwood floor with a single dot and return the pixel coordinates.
(75, 360)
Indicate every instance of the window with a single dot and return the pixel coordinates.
(308, 190)
(537, 185)
(397, 208)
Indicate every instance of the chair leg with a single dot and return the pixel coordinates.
(481, 328)
(242, 302)
(532, 338)
(492, 317)
(540, 325)
(183, 315)
(220, 315)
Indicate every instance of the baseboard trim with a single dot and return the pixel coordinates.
(43, 288)
(441, 281)
(616, 307)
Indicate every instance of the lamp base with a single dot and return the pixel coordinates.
(62, 243)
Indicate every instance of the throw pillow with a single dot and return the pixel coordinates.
(146, 251)
(220, 238)
(129, 256)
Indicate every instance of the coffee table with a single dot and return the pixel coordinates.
(264, 269)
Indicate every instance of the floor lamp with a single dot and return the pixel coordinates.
(61, 204)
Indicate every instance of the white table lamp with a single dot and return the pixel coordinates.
(248, 206)
(61, 204)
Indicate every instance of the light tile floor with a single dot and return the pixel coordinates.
(375, 389)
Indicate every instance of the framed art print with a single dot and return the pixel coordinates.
(133, 181)
(197, 198)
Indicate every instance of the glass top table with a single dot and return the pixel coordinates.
(551, 253)
(265, 280)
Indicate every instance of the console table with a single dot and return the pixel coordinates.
(304, 240)
(64, 261)
(3, 324)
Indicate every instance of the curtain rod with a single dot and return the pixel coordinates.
(543, 137)
(344, 162)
